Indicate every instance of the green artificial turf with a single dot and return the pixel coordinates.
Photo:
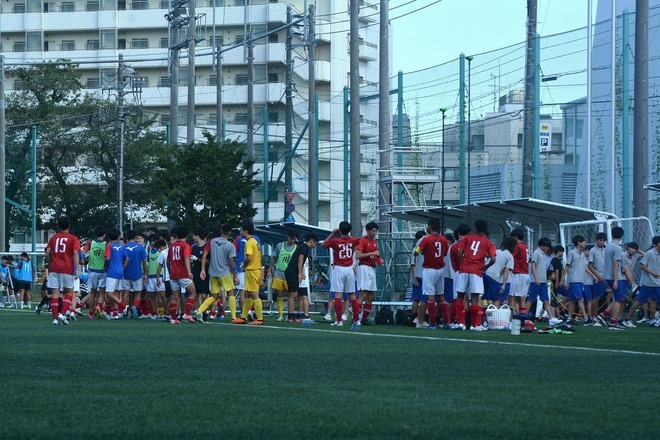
(148, 379)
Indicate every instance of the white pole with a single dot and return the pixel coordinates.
(613, 103)
(588, 158)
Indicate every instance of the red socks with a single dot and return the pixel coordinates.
(173, 310)
(189, 305)
(54, 307)
(366, 309)
(476, 315)
(444, 311)
(338, 308)
(430, 306)
(356, 309)
(452, 312)
(66, 303)
(460, 311)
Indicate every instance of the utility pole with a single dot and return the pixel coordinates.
(121, 119)
(384, 121)
(355, 190)
(288, 109)
(528, 124)
(250, 107)
(313, 176)
(192, 41)
(3, 194)
(641, 117)
(218, 94)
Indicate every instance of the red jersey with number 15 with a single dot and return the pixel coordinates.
(434, 247)
(521, 259)
(343, 248)
(62, 246)
(176, 257)
(475, 248)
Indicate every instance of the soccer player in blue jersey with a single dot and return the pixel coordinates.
(115, 254)
(135, 270)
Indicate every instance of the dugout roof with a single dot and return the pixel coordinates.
(505, 214)
(274, 233)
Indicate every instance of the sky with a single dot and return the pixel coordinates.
(471, 26)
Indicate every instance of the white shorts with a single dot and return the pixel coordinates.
(114, 284)
(241, 280)
(153, 287)
(59, 281)
(96, 281)
(342, 280)
(181, 284)
(469, 283)
(433, 281)
(366, 278)
(133, 285)
(519, 284)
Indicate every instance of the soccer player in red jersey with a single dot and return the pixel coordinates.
(473, 251)
(368, 257)
(63, 260)
(520, 278)
(181, 277)
(434, 247)
(343, 276)
(452, 264)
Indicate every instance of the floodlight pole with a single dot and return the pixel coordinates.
(442, 189)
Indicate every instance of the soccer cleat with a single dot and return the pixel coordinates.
(589, 322)
(256, 322)
(134, 312)
(655, 323)
(38, 311)
(188, 318)
(125, 311)
(327, 317)
(71, 317)
(479, 328)
(557, 321)
(628, 323)
(91, 317)
(98, 313)
(617, 326)
(459, 327)
(643, 320)
(416, 321)
(62, 319)
(355, 326)
(422, 325)
(280, 319)
(56, 322)
(79, 312)
(238, 320)
(292, 319)
(337, 324)
(597, 324)
(603, 320)
(175, 321)
(344, 317)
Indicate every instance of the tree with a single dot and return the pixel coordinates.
(206, 183)
(73, 128)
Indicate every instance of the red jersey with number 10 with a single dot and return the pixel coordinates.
(521, 259)
(475, 248)
(62, 246)
(434, 247)
(176, 257)
(343, 248)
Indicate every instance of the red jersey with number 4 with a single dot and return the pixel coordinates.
(475, 248)
(62, 246)
(367, 245)
(176, 255)
(434, 247)
(343, 248)
(521, 259)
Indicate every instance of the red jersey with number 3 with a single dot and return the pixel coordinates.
(62, 246)
(434, 247)
(343, 248)
(475, 248)
(176, 255)
(367, 245)
(521, 259)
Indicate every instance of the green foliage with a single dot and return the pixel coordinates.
(206, 183)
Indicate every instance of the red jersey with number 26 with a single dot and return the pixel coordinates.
(343, 248)
(434, 247)
(62, 246)
(521, 259)
(175, 255)
(475, 249)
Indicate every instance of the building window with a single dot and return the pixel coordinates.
(108, 39)
(108, 77)
(218, 40)
(140, 4)
(68, 7)
(242, 79)
(273, 38)
(92, 45)
(240, 39)
(213, 80)
(165, 4)
(273, 77)
(19, 46)
(452, 174)
(19, 85)
(91, 160)
(33, 41)
(18, 8)
(140, 43)
(68, 45)
(121, 43)
(241, 118)
(109, 5)
(93, 83)
(164, 81)
(92, 5)
(164, 42)
(34, 6)
(164, 120)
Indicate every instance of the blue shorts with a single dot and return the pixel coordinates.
(620, 293)
(417, 291)
(491, 288)
(588, 292)
(599, 289)
(561, 291)
(647, 293)
(538, 291)
(343, 295)
(449, 290)
(575, 292)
